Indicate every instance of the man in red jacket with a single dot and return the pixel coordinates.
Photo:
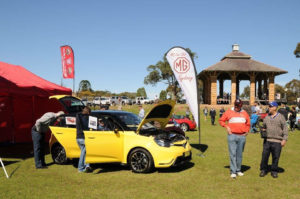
(237, 123)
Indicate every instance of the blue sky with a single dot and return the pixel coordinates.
(115, 41)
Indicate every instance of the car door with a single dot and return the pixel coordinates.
(104, 145)
(67, 138)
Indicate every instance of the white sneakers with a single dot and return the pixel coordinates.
(233, 175)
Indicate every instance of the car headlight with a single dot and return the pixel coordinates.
(162, 143)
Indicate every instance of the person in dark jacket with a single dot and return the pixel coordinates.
(283, 111)
(222, 110)
(82, 120)
(38, 132)
(292, 118)
(212, 114)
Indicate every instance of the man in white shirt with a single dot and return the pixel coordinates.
(142, 112)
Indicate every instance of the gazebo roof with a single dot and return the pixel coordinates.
(241, 62)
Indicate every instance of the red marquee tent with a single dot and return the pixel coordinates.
(24, 97)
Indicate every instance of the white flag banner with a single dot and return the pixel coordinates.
(185, 73)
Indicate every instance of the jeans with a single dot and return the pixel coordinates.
(38, 148)
(253, 128)
(275, 149)
(82, 164)
(236, 144)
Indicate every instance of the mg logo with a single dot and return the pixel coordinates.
(181, 65)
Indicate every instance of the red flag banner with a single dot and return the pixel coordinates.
(67, 58)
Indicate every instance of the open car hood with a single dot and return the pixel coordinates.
(160, 113)
(70, 103)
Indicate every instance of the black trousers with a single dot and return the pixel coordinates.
(275, 149)
(213, 120)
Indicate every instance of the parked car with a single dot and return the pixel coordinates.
(114, 100)
(105, 100)
(126, 100)
(143, 145)
(86, 102)
(97, 101)
(185, 123)
(143, 100)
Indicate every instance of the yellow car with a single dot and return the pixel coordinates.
(123, 138)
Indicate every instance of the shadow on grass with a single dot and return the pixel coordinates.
(177, 169)
(107, 168)
(244, 168)
(19, 151)
(115, 167)
(201, 147)
(6, 163)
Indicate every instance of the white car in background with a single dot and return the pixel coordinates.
(105, 101)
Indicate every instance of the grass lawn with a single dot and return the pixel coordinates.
(204, 177)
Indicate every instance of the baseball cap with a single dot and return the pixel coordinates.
(271, 104)
(238, 103)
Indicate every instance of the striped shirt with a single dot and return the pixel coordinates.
(238, 122)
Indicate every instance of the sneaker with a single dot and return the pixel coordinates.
(274, 175)
(88, 169)
(233, 175)
(240, 173)
(262, 174)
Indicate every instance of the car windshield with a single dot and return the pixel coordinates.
(178, 116)
(73, 105)
(130, 120)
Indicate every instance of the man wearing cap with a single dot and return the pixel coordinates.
(237, 123)
(38, 137)
(277, 134)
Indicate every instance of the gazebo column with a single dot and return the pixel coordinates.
(237, 94)
(259, 89)
(252, 88)
(213, 79)
(265, 88)
(233, 88)
(221, 87)
(271, 88)
(207, 91)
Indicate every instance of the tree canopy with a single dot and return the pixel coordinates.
(85, 85)
(297, 51)
(141, 92)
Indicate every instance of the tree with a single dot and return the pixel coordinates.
(85, 85)
(141, 92)
(297, 51)
(293, 89)
(280, 89)
(246, 92)
(163, 95)
(162, 72)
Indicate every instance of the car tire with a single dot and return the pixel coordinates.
(140, 161)
(58, 154)
(184, 127)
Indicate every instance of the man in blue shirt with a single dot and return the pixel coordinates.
(253, 121)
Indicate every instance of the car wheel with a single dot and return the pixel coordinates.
(140, 161)
(184, 127)
(58, 154)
